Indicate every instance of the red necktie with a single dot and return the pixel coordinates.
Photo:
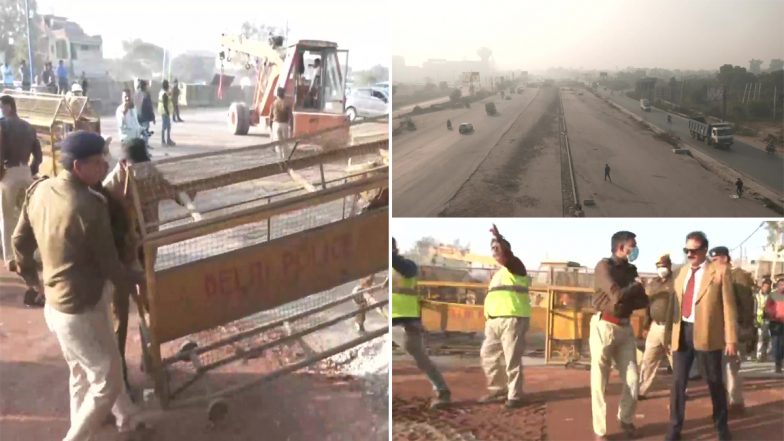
(688, 295)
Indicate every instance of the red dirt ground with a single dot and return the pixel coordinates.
(559, 408)
(302, 406)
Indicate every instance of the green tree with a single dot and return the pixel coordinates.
(13, 32)
(775, 230)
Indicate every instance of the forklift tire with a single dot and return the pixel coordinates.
(239, 118)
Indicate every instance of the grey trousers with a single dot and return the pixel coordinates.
(410, 337)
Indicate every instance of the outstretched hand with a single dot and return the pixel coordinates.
(495, 232)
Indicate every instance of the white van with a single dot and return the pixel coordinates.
(645, 105)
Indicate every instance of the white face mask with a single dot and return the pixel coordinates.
(663, 272)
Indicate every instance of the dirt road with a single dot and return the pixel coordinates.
(559, 407)
(322, 403)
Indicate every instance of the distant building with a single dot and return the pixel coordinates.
(66, 40)
(439, 70)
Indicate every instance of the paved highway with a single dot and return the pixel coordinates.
(766, 169)
(647, 178)
(431, 163)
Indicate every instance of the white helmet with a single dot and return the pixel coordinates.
(76, 87)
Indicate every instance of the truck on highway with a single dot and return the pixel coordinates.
(490, 109)
(716, 134)
(645, 105)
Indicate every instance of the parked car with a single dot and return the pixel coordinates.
(466, 128)
(367, 102)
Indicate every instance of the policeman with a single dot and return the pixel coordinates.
(18, 143)
(661, 292)
(407, 331)
(507, 310)
(618, 291)
(68, 222)
(742, 283)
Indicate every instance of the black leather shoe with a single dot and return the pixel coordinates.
(514, 404)
(32, 299)
(672, 437)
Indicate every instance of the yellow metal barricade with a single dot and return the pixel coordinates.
(244, 253)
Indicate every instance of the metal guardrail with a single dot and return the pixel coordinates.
(577, 208)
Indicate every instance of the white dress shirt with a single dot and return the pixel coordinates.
(128, 123)
(697, 282)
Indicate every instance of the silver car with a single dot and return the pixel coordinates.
(367, 102)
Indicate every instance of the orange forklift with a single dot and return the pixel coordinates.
(310, 74)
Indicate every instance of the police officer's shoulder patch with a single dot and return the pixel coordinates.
(31, 188)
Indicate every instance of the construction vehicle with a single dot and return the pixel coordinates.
(311, 75)
(716, 134)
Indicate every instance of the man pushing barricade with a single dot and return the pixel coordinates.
(67, 221)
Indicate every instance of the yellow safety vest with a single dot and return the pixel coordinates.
(161, 109)
(405, 300)
(507, 295)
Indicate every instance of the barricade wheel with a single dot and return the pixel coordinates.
(217, 410)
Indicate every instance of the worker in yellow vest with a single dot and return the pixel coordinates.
(407, 331)
(507, 316)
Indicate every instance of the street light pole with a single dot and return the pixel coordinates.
(29, 40)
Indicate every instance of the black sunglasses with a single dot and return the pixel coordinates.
(692, 250)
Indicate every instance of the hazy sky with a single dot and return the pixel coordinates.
(601, 34)
(183, 25)
(585, 240)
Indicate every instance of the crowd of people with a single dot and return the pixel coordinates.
(706, 319)
(56, 81)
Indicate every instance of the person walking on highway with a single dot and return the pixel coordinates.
(607, 172)
(507, 310)
(739, 187)
(68, 223)
(704, 325)
(742, 283)
(660, 291)
(618, 291)
(407, 330)
(165, 109)
(761, 323)
(280, 121)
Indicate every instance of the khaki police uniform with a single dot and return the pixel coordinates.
(612, 341)
(657, 343)
(742, 283)
(69, 224)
